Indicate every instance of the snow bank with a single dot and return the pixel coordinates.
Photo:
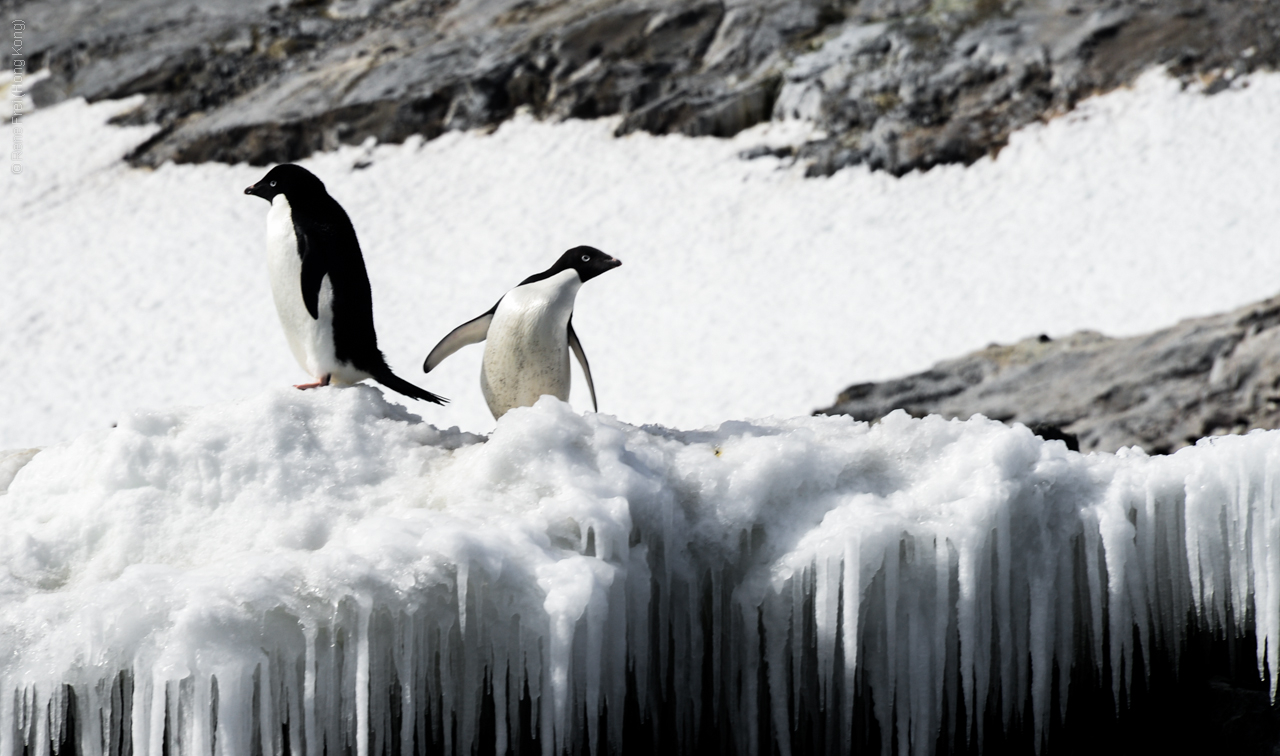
(747, 290)
(326, 570)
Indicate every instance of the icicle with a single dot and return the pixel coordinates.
(268, 717)
(8, 705)
(462, 582)
(595, 651)
(1239, 518)
(1146, 550)
(851, 596)
(432, 682)
(468, 656)
(691, 655)
(941, 620)
(364, 609)
(1041, 596)
(405, 670)
(615, 669)
(500, 740)
(170, 736)
(309, 712)
(154, 705)
(1266, 549)
(561, 653)
(329, 682)
(201, 707)
(89, 715)
(1006, 645)
(1094, 589)
(718, 631)
(39, 744)
(751, 619)
(777, 622)
(514, 682)
(447, 687)
(545, 713)
(888, 697)
(233, 735)
(292, 677)
(56, 708)
(26, 725)
(825, 608)
(799, 585)
(640, 605)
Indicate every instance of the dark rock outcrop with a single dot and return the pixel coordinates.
(947, 87)
(267, 82)
(897, 84)
(1162, 391)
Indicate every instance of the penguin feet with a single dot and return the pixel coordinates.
(322, 382)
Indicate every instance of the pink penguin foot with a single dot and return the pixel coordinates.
(322, 382)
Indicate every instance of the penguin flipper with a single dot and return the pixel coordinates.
(471, 332)
(401, 386)
(576, 346)
(313, 272)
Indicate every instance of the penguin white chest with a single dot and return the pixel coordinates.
(310, 339)
(526, 352)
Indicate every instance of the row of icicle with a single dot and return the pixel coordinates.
(749, 634)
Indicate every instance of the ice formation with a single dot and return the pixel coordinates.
(322, 572)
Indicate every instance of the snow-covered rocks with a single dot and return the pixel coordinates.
(324, 567)
(749, 291)
(1161, 391)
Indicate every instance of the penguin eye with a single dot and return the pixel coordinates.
(273, 183)
(586, 258)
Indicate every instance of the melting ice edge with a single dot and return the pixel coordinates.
(322, 572)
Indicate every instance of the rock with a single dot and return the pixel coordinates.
(1162, 391)
(906, 92)
(898, 85)
(268, 82)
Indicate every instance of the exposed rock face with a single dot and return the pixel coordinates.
(266, 83)
(1202, 377)
(946, 87)
(899, 84)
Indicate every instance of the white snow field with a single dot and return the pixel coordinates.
(240, 568)
(746, 290)
(327, 568)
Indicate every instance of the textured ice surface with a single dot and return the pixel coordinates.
(325, 568)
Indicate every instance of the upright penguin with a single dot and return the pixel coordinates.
(320, 285)
(530, 333)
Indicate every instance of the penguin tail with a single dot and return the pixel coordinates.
(401, 386)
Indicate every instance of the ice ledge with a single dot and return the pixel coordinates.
(322, 571)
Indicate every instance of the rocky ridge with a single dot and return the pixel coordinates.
(896, 84)
(1161, 391)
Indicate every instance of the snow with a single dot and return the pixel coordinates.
(326, 564)
(236, 564)
(746, 289)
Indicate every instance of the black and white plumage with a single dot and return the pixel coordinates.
(529, 334)
(320, 285)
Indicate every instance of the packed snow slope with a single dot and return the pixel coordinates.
(746, 290)
(327, 570)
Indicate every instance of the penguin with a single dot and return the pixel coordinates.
(320, 286)
(529, 333)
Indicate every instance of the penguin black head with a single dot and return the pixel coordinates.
(588, 261)
(289, 180)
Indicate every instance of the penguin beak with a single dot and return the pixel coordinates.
(250, 189)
